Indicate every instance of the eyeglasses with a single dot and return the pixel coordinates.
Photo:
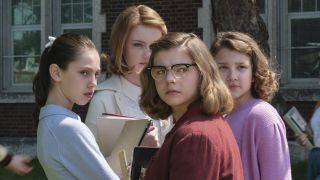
(178, 70)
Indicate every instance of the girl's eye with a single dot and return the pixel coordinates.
(160, 71)
(84, 73)
(222, 67)
(181, 69)
(242, 67)
(137, 44)
(97, 74)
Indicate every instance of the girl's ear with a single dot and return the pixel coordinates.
(55, 72)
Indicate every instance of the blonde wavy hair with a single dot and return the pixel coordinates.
(127, 19)
(214, 95)
(265, 76)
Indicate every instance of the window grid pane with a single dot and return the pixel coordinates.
(25, 12)
(76, 11)
(86, 32)
(305, 48)
(309, 5)
(294, 5)
(262, 6)
(26, 50)
(66, 13)
(88, 12)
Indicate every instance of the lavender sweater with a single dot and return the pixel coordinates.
(261, 136)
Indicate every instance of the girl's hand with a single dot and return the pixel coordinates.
(302, 139)
(151, 138)
(20, 164)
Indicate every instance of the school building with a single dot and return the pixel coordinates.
(294, 39)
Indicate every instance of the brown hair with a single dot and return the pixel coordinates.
(64, 50)
(265, 77)
(214, 94)
(129, 18)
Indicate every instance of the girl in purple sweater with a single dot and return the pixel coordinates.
(257, 126)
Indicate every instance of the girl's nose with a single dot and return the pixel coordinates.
(170, 77)
(93, 81)
(232, 75)
(147, 53)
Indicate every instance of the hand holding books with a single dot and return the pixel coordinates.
(151, 139)
(117, 134)
(296, 122)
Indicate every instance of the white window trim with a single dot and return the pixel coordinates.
(205, 22)
(23, 93)
(285, 41)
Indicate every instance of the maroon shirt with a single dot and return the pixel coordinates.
(199, 146)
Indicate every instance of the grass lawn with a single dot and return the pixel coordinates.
(299, 171)
(37, 173)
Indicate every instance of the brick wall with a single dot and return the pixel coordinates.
(16, 119)
(179, 15)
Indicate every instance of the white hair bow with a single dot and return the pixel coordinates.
(51, 40)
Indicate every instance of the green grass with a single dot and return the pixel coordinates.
(299, 170)
(37, 173)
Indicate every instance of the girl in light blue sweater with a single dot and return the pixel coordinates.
(67, 74)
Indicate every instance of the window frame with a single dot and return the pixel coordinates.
(285, 18)
(11, 93)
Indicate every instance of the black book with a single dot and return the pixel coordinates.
(141, 158)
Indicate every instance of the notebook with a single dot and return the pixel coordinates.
(117, 133)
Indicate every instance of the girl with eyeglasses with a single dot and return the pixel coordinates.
(182, 80)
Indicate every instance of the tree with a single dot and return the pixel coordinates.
(243, 16)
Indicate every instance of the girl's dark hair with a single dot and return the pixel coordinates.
(64, 50)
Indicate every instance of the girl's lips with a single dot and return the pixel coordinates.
(172, 92)
(233, 86)
(89, 94)
(140, 67)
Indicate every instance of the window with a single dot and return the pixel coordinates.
(261, 4)
(301, 54)
(25, 27)
(76, 16)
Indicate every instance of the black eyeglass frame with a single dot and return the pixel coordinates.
(167, 68)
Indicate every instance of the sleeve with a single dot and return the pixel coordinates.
(194, 157)
(315, 125)
(96, 108)
(272, 149)
(80, 154)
